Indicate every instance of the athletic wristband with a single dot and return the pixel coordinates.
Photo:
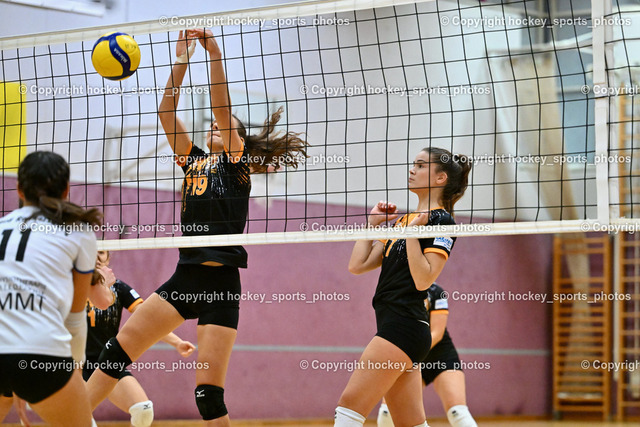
(184, 58)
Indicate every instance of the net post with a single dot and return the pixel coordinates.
(601, 33)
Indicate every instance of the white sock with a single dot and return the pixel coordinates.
(459, 416)
(93, 423)
(347, 418)
(424, 424)
(384, 417)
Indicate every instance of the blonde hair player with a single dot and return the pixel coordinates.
(408, 267)
(102, 324)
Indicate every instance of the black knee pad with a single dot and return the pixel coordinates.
(113, 359)
(210, 401)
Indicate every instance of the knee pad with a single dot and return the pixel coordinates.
(384, 417)
(113, 359)
(346, 417)
(210, 401)
(141, 414)
(459, 416)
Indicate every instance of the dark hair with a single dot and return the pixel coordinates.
(43, 177)
(457, 168)
(271, 147)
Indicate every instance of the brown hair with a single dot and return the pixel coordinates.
(43, 177)
(457, 168)
(97, 278)
(271, 147)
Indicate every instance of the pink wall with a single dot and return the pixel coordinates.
(265, 380)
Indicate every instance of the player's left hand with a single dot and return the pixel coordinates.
(421, 219)
(185, 348)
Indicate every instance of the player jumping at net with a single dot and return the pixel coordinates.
(441, 366)
(45, 275)
(215, 199)
(128, 395)
(409, 266)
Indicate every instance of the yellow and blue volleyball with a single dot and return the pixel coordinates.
(115, 56)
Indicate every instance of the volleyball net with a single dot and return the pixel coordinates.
(542, 103)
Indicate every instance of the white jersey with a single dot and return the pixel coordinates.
(36, 283)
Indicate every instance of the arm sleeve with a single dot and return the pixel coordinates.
(441, 245)
(440, 301)
(85, 261)
(76, 324)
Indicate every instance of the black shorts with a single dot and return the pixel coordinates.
(442, 357)
(209, 294)
(90, 365)
(410, 335)
(33, 377)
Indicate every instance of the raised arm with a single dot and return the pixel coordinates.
(220, 100)
(174, 128)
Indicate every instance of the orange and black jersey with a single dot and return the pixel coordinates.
(104, 324)
(435, 300)
(396, 288)
(215, 200)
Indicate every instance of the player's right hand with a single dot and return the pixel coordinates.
(382, 212)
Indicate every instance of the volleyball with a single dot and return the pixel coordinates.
(115, 56)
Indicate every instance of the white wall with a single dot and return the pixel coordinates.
(405, 47)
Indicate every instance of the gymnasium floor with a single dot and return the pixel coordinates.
(435, 423)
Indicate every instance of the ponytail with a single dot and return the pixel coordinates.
(61, 212)
(43, 178)
(457, 168)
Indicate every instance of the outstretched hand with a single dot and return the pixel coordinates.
(186, 45)
(207, 41)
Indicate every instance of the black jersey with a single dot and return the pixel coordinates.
(215, 200)
(104, 324)
(436, 301)
(396, 288)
